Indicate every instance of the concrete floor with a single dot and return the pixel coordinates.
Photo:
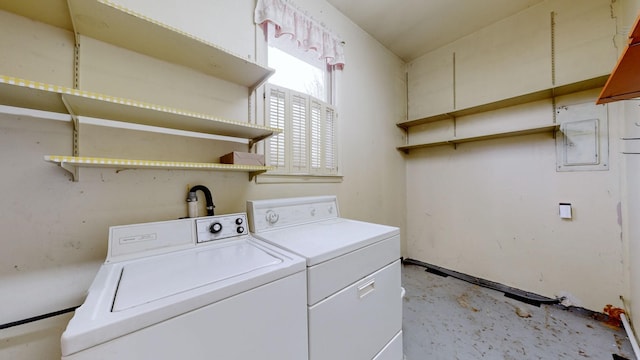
(447, 318)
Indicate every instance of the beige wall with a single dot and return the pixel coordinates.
(490, 208)
(54, 230)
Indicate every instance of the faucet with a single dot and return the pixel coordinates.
(192, 201)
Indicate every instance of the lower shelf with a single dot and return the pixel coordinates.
(552, 128)
(72, 163)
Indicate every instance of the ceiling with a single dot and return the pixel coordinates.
(411, 28)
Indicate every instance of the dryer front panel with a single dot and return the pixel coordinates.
(357, 322)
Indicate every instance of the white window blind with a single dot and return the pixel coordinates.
(316, 135)
(330, 141)
(307, 144)
(276, 115)
(298, 130)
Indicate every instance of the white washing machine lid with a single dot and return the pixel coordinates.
(130, 295)
(324, 240)
(158, 277)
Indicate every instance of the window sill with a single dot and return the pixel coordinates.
(296, 178)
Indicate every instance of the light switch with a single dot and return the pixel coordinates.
(565, 210)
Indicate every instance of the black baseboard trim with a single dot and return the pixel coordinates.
(510, 292)
(436, 272)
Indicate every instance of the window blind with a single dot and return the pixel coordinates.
(308, 143)
(276, 119)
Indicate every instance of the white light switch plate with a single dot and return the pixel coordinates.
(565, 211)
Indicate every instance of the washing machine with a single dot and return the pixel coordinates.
(354, 304)
(192, 289)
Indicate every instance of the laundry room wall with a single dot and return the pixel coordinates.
(55, 230)
(491, 208)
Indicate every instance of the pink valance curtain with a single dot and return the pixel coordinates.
(309, 34)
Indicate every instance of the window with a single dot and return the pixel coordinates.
(307, 145)
(303, 75)
(297, 101)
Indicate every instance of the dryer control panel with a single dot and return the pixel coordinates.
(221, 227)
(279, 213)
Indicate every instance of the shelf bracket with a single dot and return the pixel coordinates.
(261, 81)
(455, 124)
(76, 126)
(253, 174)
(257, 140)
(75, 140)
(72, 169)
(455, 132)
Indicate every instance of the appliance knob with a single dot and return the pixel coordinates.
(215, 227)
(272, 217)
(239, 221)
(240, 229)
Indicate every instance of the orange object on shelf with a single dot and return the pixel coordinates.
(624, 82)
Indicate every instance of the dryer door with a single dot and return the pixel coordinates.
(357, 322)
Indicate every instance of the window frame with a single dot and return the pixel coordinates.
(261, 115)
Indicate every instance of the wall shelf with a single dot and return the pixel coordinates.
(73, 163)
(552, 128)
(47, 97)
(516, 100)
(624, 82)
(114, 24)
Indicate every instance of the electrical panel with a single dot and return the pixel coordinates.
(583, 141)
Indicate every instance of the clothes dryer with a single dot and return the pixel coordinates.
(353, 275)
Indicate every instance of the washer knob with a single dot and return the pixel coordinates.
(240, 229)
(239, 221)
(215, 227)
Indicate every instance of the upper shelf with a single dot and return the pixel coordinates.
(517, 100)
(40, 96)
(112, 23)
(624, 82)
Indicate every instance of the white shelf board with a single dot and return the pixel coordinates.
(112, 23)
(551, 128)
(549, 93)
(46, 97)
(52, 12)
(31, 95)
(72, 163)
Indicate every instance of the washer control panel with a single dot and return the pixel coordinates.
(221, 227)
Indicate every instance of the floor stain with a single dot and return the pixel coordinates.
(447, 318)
